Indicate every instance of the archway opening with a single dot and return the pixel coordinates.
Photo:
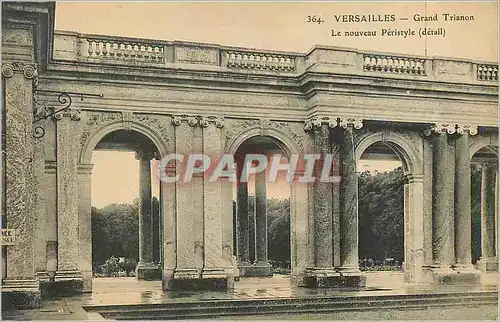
(381, 209)
(125, 214)
(484, 208)
(262, 213)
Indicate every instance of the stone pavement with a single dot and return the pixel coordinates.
(107, 291)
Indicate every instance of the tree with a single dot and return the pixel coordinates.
(115, 232)
(381, 217)
(278, 220)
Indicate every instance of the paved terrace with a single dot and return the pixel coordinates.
(128, 290)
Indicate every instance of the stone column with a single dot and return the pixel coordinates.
(85, 224)
(443, 207)
(145, 268)
(349, 199)
(68, 247)
(19, 284)
(242, 224)
(442, 204)
(463, 198)
(487, 261)
(261, 260)
(322, 196)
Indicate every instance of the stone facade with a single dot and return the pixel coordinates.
(197, 98)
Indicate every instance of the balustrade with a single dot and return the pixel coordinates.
(487, 72)
(260, 61)
(393, 64)
(124, 50)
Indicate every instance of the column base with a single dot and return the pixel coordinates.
(20, 294)
(63, 283)
(333, 278)
(445, 275)
(261, 269)
(489, 264)
(148, 272)
(194, 280)
(468, 273)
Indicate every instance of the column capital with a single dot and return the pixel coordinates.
(28, 70)
(202, 121)
(85, 168)
(145, 155)
(412, 178)
(346, 122)
(205, 121)
(317, 121)
(466, 128)
(73, 114)
(189, 119)
(438, 128)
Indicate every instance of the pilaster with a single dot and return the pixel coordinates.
(219, 266)
(19, 285)
(85, 224)
(68, 273)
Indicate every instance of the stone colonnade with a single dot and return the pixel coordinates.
(198, 234)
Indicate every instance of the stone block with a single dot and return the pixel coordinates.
(20, 300)
(148, 273)
(488, 265)
(448, 276)
(20, 294)
(258, 269)
(199, 284)
(338, 280)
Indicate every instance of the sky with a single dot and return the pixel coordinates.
(278, 26)
(284, 26)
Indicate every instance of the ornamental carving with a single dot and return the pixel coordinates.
(439, 128)
(357, 123)
(463, 128)
(234, 128)
(95, 121)
(157, 122)
(28, 70)
(72, 114)
(203, 121)
(317, 121)
(292, 130)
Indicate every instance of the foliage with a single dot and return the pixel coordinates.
(476, 212)
(381, 218)
(115, 232)
(278, 221)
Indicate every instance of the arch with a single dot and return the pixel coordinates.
(95, 138)
(285, 143)
(412, 163)
(413, 206)
(483, 142)
(299, 208)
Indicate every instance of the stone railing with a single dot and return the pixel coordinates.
(394, 64)
(118, 49)
(320, 59)
(487, 72)
(260, 61)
